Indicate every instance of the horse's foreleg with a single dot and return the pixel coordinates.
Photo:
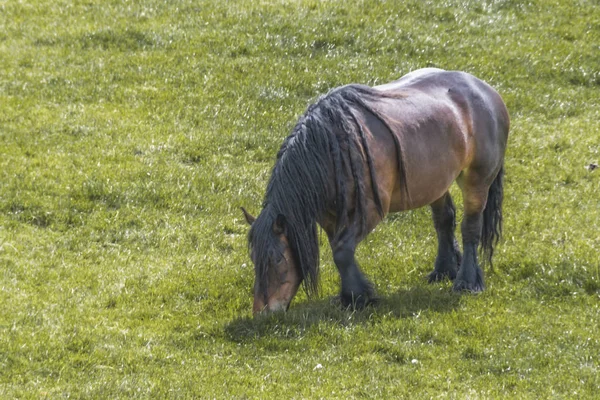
(357, 291)
(448, 258)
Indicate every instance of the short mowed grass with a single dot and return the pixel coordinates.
(132, 132)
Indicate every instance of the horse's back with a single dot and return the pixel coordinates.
(410, 78)
(446, 121)
(462, 88)
(477, 107)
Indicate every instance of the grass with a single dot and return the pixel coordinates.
(132, 132)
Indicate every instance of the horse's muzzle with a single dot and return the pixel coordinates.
(273, 306)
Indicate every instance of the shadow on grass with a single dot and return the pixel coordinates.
(301, 317)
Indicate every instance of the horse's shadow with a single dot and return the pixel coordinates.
(301, 317)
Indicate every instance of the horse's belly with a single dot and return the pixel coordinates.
(430, 171)
(423, 189)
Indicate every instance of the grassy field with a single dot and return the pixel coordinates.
(132, 132)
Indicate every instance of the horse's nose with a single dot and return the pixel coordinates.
(275, 306)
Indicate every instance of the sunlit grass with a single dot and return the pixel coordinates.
(131, 133)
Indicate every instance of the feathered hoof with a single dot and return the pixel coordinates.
(471, 287)
(358, 302)
(438, 276)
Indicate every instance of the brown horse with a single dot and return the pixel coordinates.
(359, 153)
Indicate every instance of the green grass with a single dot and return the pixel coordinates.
(132, 132)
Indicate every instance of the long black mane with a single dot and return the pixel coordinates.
(328, 142)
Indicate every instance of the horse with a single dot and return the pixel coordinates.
(361, 152)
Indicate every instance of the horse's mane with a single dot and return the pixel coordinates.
(327, 141)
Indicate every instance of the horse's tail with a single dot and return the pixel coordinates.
(492, 218)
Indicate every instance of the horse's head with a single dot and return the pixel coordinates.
(277, 274)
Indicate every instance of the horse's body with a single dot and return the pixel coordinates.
(360, 153)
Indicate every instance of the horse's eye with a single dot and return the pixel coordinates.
(280, 259)
(282, 276)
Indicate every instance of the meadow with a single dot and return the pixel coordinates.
(131, 133)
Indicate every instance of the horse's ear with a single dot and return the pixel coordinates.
(279, 227)
(249, 218)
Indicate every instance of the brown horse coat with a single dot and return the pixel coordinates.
(359, 153)
(445, 123)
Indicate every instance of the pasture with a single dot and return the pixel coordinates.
(131, 133)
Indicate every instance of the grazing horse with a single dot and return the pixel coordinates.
(361, 152)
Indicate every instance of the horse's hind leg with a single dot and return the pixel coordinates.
(470, 274)
(357, 291)
(448, 258)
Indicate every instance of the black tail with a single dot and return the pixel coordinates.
(492, 218)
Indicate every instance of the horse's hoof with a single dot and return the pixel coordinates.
(464, 286)
(358, 302)
(438, 276)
